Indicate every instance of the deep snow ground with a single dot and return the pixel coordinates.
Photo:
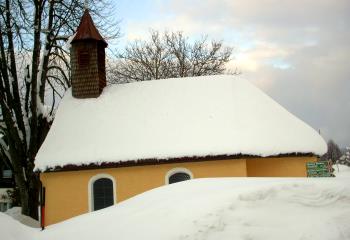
(11, 229)
(341, 171)
(224, 208)
(15, 213)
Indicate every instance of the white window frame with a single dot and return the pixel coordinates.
(177, 170)
(91, 192)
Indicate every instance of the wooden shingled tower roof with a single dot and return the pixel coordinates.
(87, 30)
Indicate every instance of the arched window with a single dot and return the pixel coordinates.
(101, 192)
(178, 175)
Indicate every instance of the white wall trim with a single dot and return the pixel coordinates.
(177, 170)
(90, 190)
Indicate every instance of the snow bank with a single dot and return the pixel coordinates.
(16, 213)
(221, 208)
(10, 229)
(341, 171)
(202, 116)
(225, 208)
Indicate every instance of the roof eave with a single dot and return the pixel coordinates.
(154, 161)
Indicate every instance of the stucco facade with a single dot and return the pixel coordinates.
(278, 167)
(68, 193)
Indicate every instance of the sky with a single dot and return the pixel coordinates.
(297, 51)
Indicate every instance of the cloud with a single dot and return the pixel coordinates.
(296, 51)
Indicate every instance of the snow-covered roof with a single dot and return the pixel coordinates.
(174, 118)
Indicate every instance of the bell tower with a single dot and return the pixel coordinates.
(87, 56)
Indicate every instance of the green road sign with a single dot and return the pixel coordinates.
(318, 169)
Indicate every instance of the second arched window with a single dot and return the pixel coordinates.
(179, 177)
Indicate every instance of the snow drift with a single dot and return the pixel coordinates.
(288, 209)
(10, 229)
(218, 208)
(16, 213)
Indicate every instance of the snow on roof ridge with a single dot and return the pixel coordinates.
(171, 118)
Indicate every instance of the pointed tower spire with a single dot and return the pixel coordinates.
(88, 59)
(87, 30)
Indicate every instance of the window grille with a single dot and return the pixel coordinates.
(83, 58)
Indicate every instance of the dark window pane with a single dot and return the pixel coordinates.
(7, 174)
(179, 177)
(103, 193)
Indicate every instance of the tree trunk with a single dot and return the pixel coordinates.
(33, 196)
(23, 127)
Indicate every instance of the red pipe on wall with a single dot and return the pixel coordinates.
(42, 208)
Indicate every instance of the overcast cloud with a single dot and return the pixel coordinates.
(296, 51)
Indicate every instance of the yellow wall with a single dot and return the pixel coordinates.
(67, 192)
(278, 167)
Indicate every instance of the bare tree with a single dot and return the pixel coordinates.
(333, 153)
(169, 55)
(34, 71)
